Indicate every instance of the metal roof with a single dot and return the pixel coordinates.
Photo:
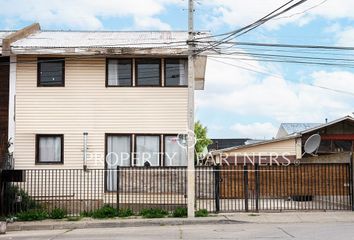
(105, 39)
(349, 118)
(291, 128)
(3, 34)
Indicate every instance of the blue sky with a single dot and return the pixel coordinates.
(235, 102)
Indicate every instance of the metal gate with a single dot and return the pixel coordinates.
(309, 186)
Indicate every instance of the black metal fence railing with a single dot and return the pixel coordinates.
(274, 188)
(78, 191)
(218, 189)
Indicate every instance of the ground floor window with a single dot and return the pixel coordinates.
(175, 152)
(49, 148)
(118, 154)
(147, 150)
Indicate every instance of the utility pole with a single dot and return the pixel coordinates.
(191, 142)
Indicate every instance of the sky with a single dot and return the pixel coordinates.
(236, 102)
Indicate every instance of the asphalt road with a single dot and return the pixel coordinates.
(305, 231)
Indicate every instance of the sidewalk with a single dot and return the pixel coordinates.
(256, 218)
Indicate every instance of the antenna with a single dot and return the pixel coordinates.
(312, 144)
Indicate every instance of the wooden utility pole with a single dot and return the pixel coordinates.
(191, 142)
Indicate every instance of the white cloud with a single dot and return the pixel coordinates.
(254, 130)
(82, 14)
(246, 95)
(240, 13)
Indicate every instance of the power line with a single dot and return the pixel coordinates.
(280, 77)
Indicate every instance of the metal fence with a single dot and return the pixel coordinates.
(239, 188)
(274, 188)
(78, 191)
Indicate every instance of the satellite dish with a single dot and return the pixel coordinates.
(312, 143)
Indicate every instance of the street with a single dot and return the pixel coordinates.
(311, 231)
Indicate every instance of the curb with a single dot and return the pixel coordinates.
(22, 226)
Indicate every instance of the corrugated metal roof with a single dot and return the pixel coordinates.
(291, 128)
(105, 39)
(3, 34)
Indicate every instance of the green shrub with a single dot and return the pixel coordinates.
(105, 212)
(32, 215)
(58, 213)
(13, 192)
(153, 213)
(201, 213)
(125, 212)
(180, 212)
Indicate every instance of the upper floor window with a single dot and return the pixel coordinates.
(119, 72)
(51, 72)
(148, 72)
(49, 148)
(176, 72)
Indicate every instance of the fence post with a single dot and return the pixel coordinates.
(256, 172)
(118, 178)
(245, 184)
(217, 187)
(351, 177)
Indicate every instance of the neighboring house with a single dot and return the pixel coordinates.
(127, 90)
(336, 137)
(221, 143)
(287, 129)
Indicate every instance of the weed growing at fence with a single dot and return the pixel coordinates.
(32, 215)
(125, 212)
(86, 214)
(57, 213)
(153, 213)
(179, 212)
(14, 194)
(201, 213)
(105, 212)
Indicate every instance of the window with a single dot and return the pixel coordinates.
(51, 72)
(49, 149)
(147, 150)
(175, 151)
(148, 72)
(176, 72)
(118, 154)
(119, 72)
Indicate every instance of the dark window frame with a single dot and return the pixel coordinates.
(38, 136)
(135, 147)
(131, 72)
(137, 74)
(39, 83)
(165, 79)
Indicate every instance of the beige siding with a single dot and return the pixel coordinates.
(285, 146)
(85, 104)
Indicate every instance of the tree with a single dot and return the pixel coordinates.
(202, 140)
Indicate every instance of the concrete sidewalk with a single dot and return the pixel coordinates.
(256, 218)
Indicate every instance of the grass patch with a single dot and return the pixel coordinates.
(179, 212)
(32, 215)
(86, 214)
(253, 215)
(201, 213)
(153, 213)
(58, 213)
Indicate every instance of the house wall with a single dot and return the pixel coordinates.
(285, 146)
(85, 104)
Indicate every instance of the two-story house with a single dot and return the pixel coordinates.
(95, 99)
